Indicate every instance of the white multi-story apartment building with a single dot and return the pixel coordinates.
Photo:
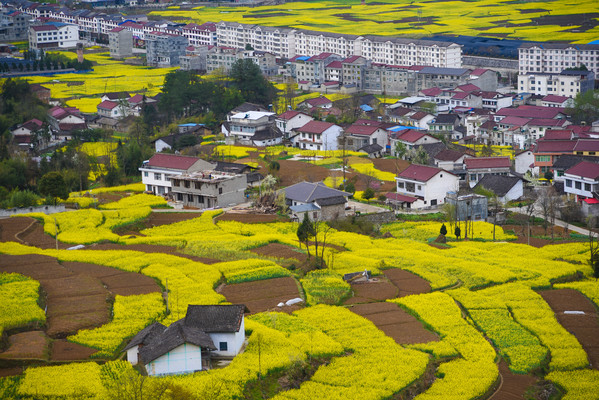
(200, 35)
(555, 57)
(566, 83)
(53, 35)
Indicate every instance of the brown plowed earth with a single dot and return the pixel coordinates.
(166, 218)
(149, 248)
(66, 351)
(513, 386)
(27, 231)
(278, 250)
(560, 235)
(395, 322)
(584, 327)
(11, 371)
(259, 296)
(26, 345)
(375, 290)
(407, 282)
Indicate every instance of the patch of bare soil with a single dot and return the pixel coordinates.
(390, 165)
(73, 301)
(292, 172)
(584, 326)
(116, 281)
(375, 290)
(559, 233)
(259, 296)
(395, 322)
(166, 218)
(67, 351)
(407, 282)
(12, 371)
(27, 231)
(149, 248)
(248, 218)
(27, 345)
(278, 250)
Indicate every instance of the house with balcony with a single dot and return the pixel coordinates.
(411, 138)
(209, 189)
(244, 125)
(425, 186)
(364, 135)
(547, 151)
(317, 135)
(316, 200)
(156, 173)
(582, 181)
(477, 168)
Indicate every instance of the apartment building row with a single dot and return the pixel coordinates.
(553, 58)
(565, 83)
(14, 25)
(282, 42)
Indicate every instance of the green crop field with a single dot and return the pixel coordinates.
(571, 21)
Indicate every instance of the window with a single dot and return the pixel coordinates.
(190, 198)
(157, 176)
(180, 196)
(587, 187)
(434, 202)
(543, 158)
(400, 185)
(578, 185)
(146, 174)
(410, 187)
(223, 346)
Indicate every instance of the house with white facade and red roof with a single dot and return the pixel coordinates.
(425, 186)
(477, 168)
(359, 135)
(317, 102)
(290, 120)
(582, 181)
(410, 138)
(552, 100)
(317, 135)
(156, 173)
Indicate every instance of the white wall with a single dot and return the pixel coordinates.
(523, 161)
(437, 187)
(186, 358)
(132, 354)
(234, 341)
(329, 137)
(514, 193)
(158, 186)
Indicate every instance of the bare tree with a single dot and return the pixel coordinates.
(549, 204)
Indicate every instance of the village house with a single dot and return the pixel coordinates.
(469, 207)
(365, 135)
(411, 138)
(244, 125)
(506, 188)
(477, 168)
(156, 173)
(317, 135)
(64, 120)
(24, 133)
(190, 344)
(547, 151)
(317, 102)
(524, 162)
(291, 119)
(316, 200)
(450, 160)
(426, 186)
(582, 180)
(209, 189)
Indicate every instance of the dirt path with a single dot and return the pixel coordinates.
(513, 386)
(584, 326)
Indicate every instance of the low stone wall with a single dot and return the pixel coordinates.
(43, 209)
(378, 218)
(492, 63)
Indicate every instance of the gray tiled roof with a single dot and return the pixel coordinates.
(215, 318)
(172, 337)
(307, 192)
(146, 335)
(499, 184)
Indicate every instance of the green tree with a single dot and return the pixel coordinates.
(52, 185)
(457, 232)
(586, 107)
(443, 230)
(248, 78)
(400, 150)
(305, 232)
(368, 194)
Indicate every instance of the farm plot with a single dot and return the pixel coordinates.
(395, 322)
(259, 296)
(579, 316)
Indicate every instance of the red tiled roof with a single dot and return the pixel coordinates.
(320, 56)
(587, 145)
(488, 125)
(460, 95)
(552, 98)
(288, 114)
(554, 134)
(531, 112)
(448, 155)
(351, 59)
(315, 127)
(468, 88)
(72, 127)
(410, 135)
(331, 83)
(108, 105)
(400, 197)
(361, 129)
(318, 101)
(420, 173)
(33, 124)
(487, 162)
(514, 121)
(418, 116)
(138, 98)
(585, 169)
(478, 71)
(117, 29)
(43, 28)
(335, 64)
(370, 122)
(400, 111)
(435, 91)
(555, 146)
(171, 161)
(547, 122)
